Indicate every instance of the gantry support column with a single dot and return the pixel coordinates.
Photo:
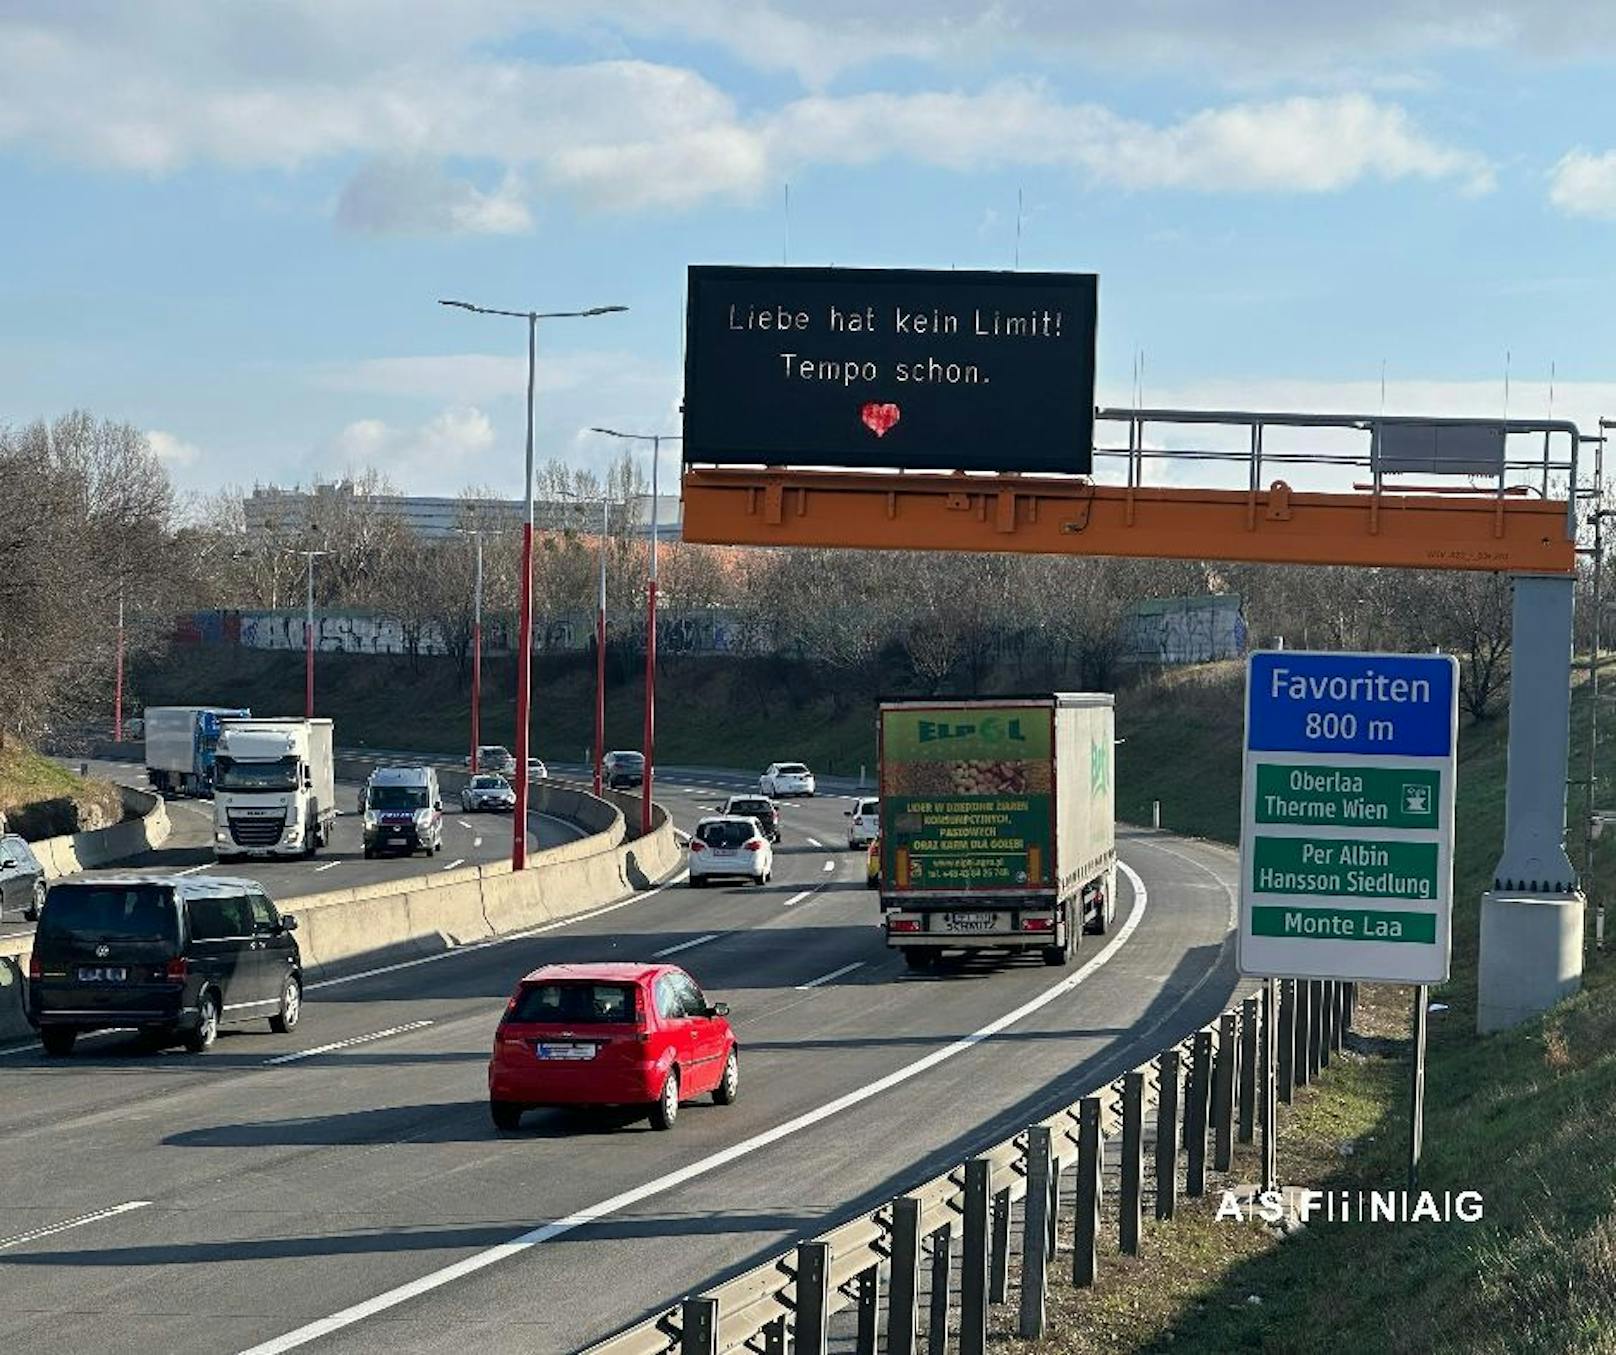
(1531, 920)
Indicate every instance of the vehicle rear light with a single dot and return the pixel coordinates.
(1037, 924)
(176, 970)
(755, 845)
(697, 845)
(35, 969)
(903, 924)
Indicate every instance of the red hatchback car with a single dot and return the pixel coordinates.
(610, 1035)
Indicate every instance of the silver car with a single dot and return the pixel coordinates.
(487, 791)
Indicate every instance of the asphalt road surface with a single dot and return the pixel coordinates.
(356, 1198)
(468, 839)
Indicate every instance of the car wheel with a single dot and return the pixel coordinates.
(666, 1109)
(729, 1085)
(761, 878)
(369, 852)
(698, 882)
(285, 1021)
(58, 1041)
(871, 884)
(506, 1115)
(207, 1025)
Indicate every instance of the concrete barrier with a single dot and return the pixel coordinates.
(345, 929)
(145, 826)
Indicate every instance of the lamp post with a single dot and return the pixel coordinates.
(476, 648)
(524, 663)
(308, 634)
(600, 638)
(656, 440)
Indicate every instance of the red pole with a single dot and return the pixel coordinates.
(524, 677)
(476, 691)
(600, 694)
(650, 701)
(117, 698)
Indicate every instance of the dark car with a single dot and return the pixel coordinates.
(22, 878)
(623, 769)
(758, 807)
(177, 957)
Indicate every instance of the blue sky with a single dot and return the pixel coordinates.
(228, 224)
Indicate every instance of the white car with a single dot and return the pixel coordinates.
(864, 822)
(728, 844)
(786, 778)
(536, 770)
(487, 791)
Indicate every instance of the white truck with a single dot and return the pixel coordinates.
(274, 789)
(998, 824)
(180, 745)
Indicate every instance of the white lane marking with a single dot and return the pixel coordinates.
(463, 823)
(798, 898)
(436, 1279)
(686, 945)
(494, 941)
(192, 870)
(329, 865)
(830, 865)
(347, 1044)
(20, 1238)
(815, 842)
(458, 861)
(834, 974)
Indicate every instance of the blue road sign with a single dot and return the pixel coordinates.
(1401, 705)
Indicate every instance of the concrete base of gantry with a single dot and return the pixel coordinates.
(1531, 955)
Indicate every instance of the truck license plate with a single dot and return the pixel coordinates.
(969, 922)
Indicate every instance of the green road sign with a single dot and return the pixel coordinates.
(1346, 844)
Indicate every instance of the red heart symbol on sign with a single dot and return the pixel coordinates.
(879, 418)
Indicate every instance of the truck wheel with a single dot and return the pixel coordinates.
(918, 957)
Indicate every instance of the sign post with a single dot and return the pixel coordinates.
(1346, 829)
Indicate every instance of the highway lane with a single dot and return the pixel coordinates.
(281, 1195)
(468, 839)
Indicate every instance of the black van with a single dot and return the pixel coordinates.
(173, 956)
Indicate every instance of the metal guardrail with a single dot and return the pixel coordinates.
(1208, 1091)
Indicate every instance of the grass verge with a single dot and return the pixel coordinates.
(1520, 1116)
(40, 798)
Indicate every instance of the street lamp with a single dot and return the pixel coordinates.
(525, 627)
(476, 647)
(600, 637)
(656, 440)
(308, 634)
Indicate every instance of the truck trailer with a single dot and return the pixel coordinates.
(274, 790)
(997, 824)
(180, 743)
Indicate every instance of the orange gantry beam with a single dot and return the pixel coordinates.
(1278, 525)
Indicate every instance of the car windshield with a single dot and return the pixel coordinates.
(398, 797)
(633, 759)
(724, 834)
(487, 783)
(574, 1003)
(793, 769)
(278, 774)
(109, 913)
(869, 806)
(493, 752)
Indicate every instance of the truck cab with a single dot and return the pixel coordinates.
(273, 789)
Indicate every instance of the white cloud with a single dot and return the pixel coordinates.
(172, 451)
(199, 83)
(476, 378)
(1299, 144)
(394, 197)
(1584, 184)
(439, 455)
